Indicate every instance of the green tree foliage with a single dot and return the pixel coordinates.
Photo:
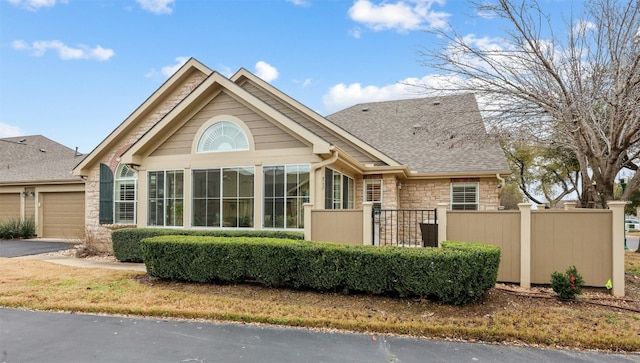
(545, 175)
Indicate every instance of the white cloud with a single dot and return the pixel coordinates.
(157, 6)
(7, 130)
(342, 96)
(168, 71)
(19, 45)
(303, 3)
(582, 26)
(304, 83)
(402, 16)
(40, 47)
(34, 5)
(356, 32)
(266, 71)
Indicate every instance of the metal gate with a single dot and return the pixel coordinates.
(405, 227)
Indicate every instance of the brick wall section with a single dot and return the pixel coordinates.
(98, 237)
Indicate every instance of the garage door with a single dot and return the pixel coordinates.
(9, 206)
(62, 215)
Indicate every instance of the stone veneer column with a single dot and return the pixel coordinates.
(99, 236)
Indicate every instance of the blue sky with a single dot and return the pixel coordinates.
(72, 70)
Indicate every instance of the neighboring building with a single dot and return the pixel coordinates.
(206, 151)
(36, 182)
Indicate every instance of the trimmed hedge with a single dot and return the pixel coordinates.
(126, 241)
(457, 273)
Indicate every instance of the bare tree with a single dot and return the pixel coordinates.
(577, 89)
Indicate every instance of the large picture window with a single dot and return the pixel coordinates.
(125, 195)
(166, 198)
(286, 189)
(223, 197)
(339, 190)
(464, 196)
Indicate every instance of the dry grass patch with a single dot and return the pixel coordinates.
(504, 314)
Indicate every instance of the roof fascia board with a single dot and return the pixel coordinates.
(155, 137)
(483, 174)
(134, 154)
(320, 146)
(338, 131)
(42, 182)
(186, 69)
(404, 170)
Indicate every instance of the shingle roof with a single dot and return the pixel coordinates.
(37, 158)
(432, 135)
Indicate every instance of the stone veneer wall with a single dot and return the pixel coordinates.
(427, 194)
(98, 237)
(389, 192)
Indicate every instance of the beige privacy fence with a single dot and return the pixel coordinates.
(533, 244)
(536, 243)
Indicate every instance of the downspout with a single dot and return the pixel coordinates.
(501, 187)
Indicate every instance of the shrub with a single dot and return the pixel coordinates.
(567, 285)
(17, 228)
(126, 242)
(457, 273)
(27, 228)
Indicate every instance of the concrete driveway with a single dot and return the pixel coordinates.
(27, 247)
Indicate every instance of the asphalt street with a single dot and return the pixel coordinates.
(16, 248)
(28, 336)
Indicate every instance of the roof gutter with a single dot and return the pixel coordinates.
(331, 160)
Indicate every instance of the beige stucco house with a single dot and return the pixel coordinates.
(36, 183)
(207, 151)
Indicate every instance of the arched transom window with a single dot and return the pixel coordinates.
(223, 136)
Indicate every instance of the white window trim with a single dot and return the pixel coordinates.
(166, 198)
(286, 166)
(222, 118)
(477, 196)
(117, 178)
(221, 169)
(373, 181)
(342, 198)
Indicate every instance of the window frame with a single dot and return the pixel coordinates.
(206, 139)
(334, 195)
(286, 200)
(475, 204)
(223, 200)
(166, 198)
(127, 180)
(377, 204)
